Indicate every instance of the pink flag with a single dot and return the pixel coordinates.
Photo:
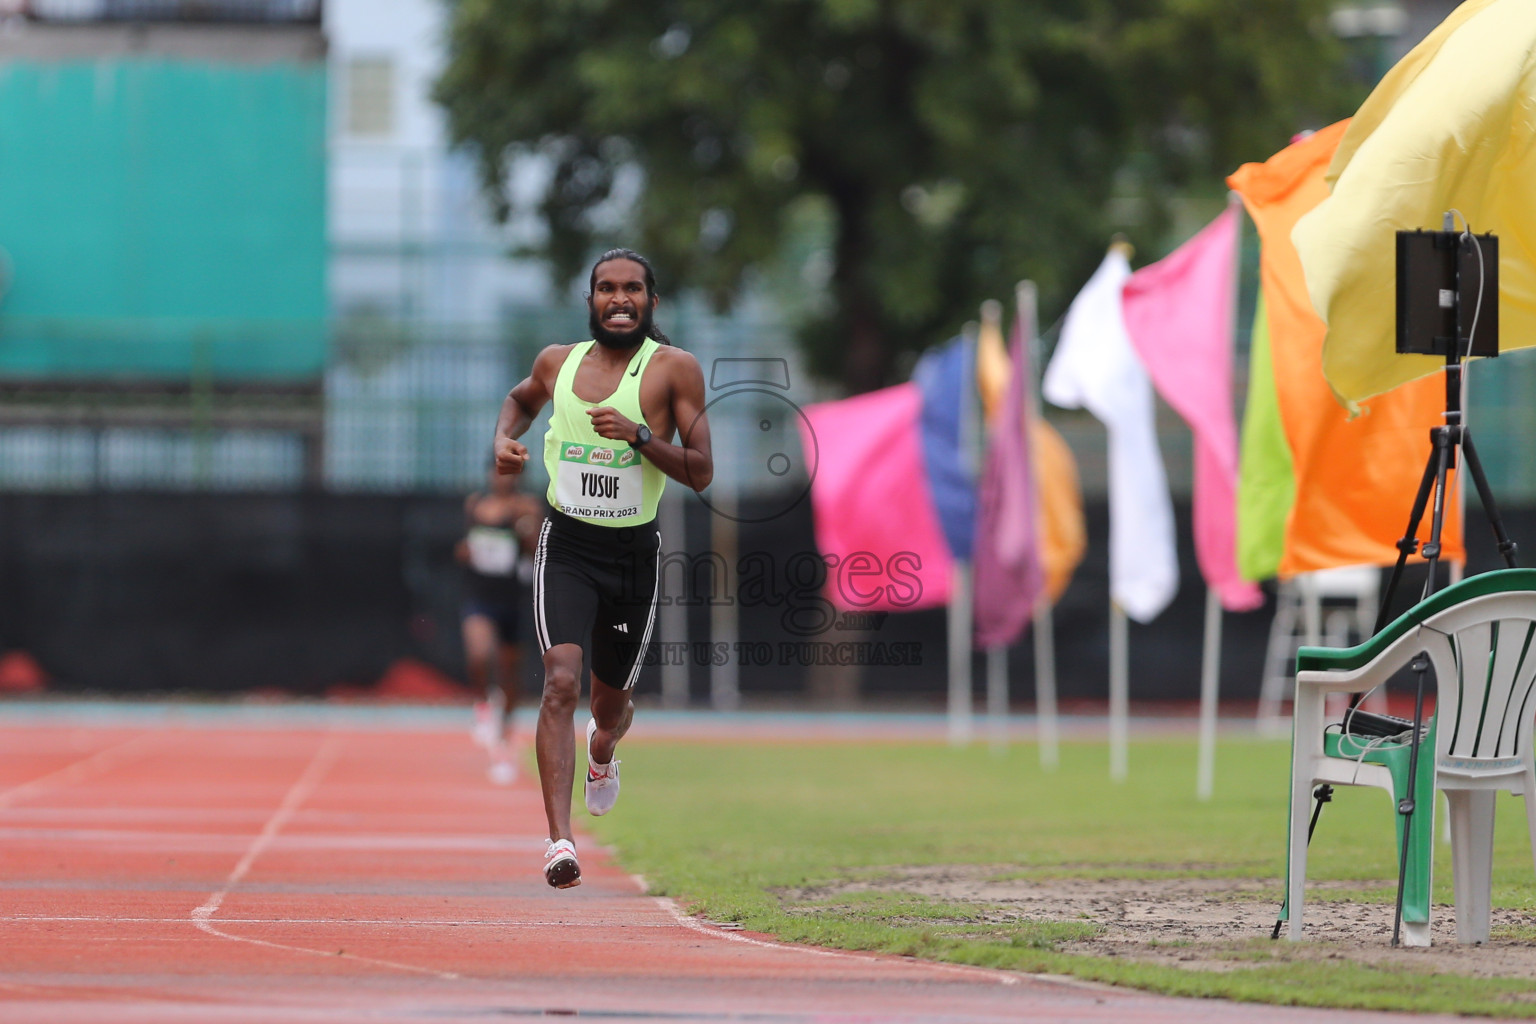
(1008, 574)
(875, 519)
(1179, 315)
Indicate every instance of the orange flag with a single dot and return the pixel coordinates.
(1063, 531)
(1355, 478)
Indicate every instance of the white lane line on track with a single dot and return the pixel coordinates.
(82, 769)
(19, 987)
(693, 924)
(300, 791)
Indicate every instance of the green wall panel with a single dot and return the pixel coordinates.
(163, 218)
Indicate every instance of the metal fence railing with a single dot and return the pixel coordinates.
(398, 407)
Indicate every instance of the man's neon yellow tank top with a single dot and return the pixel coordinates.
(592, 477)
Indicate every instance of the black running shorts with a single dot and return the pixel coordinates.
(596, 585)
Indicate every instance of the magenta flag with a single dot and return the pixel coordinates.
(1179, 314)
(1008, 575)
(876, 524)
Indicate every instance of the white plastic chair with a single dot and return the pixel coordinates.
(1300, 620)
(1480, 637)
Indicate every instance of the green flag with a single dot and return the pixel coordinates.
(1266, 480)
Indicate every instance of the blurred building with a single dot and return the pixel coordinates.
(411, 237)
(433, 319)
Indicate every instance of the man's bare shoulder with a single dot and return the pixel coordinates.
(555, 353)
(546, 365)
(678, 364)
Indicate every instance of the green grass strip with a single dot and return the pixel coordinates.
(777, 836)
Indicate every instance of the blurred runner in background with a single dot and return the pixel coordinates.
(502, 528)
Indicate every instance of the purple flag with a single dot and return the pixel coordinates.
(1008, 575)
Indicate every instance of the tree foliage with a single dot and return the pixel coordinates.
(956, 145)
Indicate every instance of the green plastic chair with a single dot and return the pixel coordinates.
(1480, 638)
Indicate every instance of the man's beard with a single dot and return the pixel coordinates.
(613, 339)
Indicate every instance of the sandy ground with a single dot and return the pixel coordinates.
(1209, 924)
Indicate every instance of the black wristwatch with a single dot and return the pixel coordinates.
(642, 436)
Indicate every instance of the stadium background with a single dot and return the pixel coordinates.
(254, 332)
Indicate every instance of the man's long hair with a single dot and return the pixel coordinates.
(650, 284)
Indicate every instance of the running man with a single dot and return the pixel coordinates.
(502, 527)
(618, 400)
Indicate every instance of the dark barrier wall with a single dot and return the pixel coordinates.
(139, 593)
(143, 593)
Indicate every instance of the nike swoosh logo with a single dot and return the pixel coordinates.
(634, 371)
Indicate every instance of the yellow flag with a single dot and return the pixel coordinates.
(1453, 126)
(1063, 529)
(992, 365)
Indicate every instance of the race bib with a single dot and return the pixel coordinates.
(492, 551)
(592, 482)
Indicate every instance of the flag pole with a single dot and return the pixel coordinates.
(961, 617)
(997, 655)
(1119, 648)
(997, 698)
(960, 633)
(1210, 683)
(1046, 725)
(1119, 692)
(1045, 686)
(1210, 660)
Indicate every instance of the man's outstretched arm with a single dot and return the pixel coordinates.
(520, 407)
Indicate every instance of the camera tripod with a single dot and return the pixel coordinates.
(1440, 275)
(1432, 495)
(1433, 486)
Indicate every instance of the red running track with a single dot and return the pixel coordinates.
(228, 873)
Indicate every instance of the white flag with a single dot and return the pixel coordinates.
(1095, 368)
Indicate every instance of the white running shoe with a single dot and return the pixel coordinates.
(484, 731)
(602, 788)
(503, 770)
(560, 867)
